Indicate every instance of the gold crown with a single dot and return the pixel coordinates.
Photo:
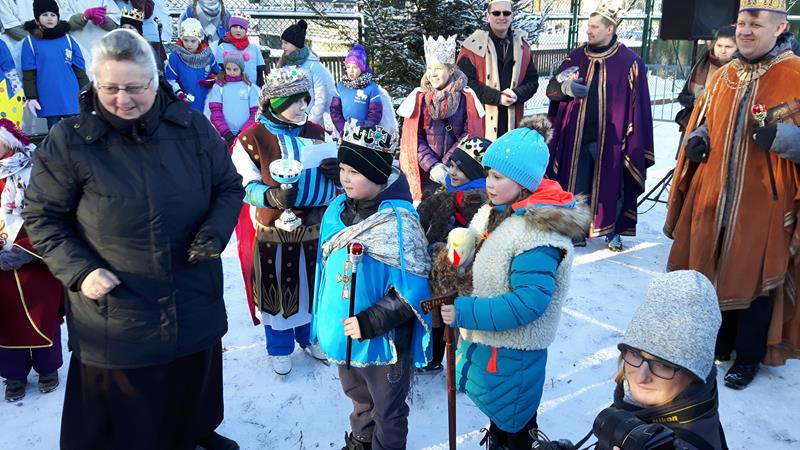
(11, 106)
(474, 147)
(243, 15)
(763, 5)
(611, 10)
(133, 14)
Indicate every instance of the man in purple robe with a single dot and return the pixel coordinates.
(603, 139)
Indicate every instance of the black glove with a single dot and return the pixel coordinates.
(205, 247)
(696, 149)
(229, 137)
(765, 136)
(14, 258)
(330, 169)
(281, 198)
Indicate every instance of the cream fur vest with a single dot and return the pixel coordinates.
(491, 278)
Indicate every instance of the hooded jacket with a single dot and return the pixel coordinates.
(130, 197)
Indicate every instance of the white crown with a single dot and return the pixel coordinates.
(374, 138)
(440, 51)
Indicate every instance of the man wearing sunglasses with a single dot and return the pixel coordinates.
(603, 139)
(497, 63)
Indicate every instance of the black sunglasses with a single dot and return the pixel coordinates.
(504, 13)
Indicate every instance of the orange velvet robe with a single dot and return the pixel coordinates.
(753, 249)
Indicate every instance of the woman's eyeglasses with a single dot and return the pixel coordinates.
(498, 13)
(659, 368)
(133, 89)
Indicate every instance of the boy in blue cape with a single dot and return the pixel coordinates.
(390, 335)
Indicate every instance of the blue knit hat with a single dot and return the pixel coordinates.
(522, 154)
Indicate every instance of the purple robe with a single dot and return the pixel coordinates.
(625, 136)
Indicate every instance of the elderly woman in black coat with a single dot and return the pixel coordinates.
(130, 204)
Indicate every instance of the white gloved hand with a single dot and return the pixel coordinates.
(33, 106)
(439, 173)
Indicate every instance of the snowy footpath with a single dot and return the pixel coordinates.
(307, 410)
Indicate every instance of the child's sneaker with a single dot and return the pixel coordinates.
(15, 390)
(282, 365)
(48, 382)
(614, 243)
(316, 352)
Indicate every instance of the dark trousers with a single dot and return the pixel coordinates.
(165, 407)
(521, 440)
(584, 177)
(380, 412)
(745, 330)
(16, 363)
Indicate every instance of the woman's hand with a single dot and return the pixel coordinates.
(351, 328)
(449, 314)
(98, 283)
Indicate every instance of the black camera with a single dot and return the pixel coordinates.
(620, 428)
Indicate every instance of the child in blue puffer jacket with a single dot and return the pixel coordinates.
(520, 278)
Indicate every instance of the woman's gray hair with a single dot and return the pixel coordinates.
(124, 45)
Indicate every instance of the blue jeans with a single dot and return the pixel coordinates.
(281, 342)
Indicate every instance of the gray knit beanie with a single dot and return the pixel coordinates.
(678, 321)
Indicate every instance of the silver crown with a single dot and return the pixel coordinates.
(440, 50)
(374, 138)
(286, 81)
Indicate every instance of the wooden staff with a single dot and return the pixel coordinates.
(450, 349)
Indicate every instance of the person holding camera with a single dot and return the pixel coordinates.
(666, 394)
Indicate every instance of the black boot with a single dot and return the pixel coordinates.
(350, 443)
(740, 375)
(491, 441)
(48, 382)
(216, 441)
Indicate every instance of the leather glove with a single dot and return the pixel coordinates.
(696, 149)
(439, 173)
(330, 169)
(34, 106)
(14, 258)
(208, 83)
(575, 88)
(205, 247)
(765, 136)
(281, 198)
(229, 138)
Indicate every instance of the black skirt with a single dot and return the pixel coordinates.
(170, 406)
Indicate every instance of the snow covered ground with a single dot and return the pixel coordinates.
(307, 410)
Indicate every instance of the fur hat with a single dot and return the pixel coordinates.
(678, 321)
(11, 136)
(192, 27)
(357, 56)
(296, 34)
(468, 156)
(522, 154)
(42, 6)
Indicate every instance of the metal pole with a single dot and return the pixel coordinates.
(572, 37)
(648, 25)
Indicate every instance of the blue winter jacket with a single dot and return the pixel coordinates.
(506, 384)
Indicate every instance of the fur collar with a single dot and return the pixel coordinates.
(573, 222)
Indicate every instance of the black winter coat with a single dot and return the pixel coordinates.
(132, 203)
